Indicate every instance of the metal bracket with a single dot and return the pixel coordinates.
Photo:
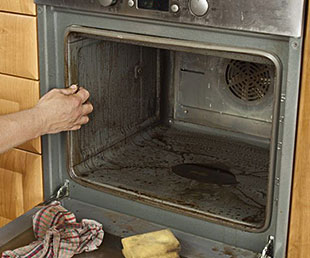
(268, 249)
(62, 192)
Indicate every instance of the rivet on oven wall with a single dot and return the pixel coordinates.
(138, 71)
(283, 97)
(279, 146)
(170, 121)
(294, 45)
(281, 120)
(277, 181)
(185, 111)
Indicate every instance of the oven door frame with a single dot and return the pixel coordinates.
(189, 47)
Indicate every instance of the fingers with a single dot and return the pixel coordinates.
(78, 124)
(84, 120)
(87, 108)
(69, 91)
(82, 94)
(74, 128)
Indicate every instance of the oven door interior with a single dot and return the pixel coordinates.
(116, 225)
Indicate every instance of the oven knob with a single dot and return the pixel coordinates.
(131, 3)
(199, 7)
(107, 3)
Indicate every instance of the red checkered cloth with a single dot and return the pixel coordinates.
(59, 235)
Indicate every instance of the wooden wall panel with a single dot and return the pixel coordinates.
(18, 6)
(18, 94)
(299, 232)
(4, 221)
(18, 45)
(29, 165)
(11, 194)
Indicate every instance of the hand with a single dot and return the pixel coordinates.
(63, 109)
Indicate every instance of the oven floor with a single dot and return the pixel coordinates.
(142, 167)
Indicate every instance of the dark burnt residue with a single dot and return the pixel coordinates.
(207, 173)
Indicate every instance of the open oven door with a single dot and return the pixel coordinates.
(19, 232)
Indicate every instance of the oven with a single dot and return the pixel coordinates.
(194, 116)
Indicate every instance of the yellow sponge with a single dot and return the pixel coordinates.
(151, 245)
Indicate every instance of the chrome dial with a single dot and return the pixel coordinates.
(199, 7)
(107, 3)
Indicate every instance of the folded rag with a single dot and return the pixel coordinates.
(59, 235)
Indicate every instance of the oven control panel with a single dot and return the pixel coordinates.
(195, 7)
(199, 7)
(279, 17)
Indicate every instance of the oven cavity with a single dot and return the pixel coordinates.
(180, 128)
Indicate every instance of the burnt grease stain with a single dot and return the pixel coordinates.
(206, 173)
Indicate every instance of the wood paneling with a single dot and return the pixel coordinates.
(29, 165)
(299, 236)
(18, 94)
(18, 6)
(18, 45)
(4, 221)
(11, 194)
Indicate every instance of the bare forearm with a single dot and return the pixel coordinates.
(18, 128)
(58, 110)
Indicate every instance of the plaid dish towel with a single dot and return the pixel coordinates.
(59, 235)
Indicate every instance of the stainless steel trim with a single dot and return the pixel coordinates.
(193, 47)
(277, 17)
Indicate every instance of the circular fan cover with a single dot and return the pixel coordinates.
(248, 81)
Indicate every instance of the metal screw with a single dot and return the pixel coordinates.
(185, 111)
(283, 98)
(295, 45)
(170, 121)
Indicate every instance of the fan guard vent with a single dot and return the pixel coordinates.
(248, 81)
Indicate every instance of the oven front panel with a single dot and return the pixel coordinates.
(277, 17)
(53, 25)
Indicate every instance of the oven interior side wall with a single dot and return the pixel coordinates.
(123, 80)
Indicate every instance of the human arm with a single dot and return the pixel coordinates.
(58, 110)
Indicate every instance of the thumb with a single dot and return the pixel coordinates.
(71, 90)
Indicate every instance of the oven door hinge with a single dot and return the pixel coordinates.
(62, 192)
(268, 249)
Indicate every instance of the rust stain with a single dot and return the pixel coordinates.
(230, 252)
